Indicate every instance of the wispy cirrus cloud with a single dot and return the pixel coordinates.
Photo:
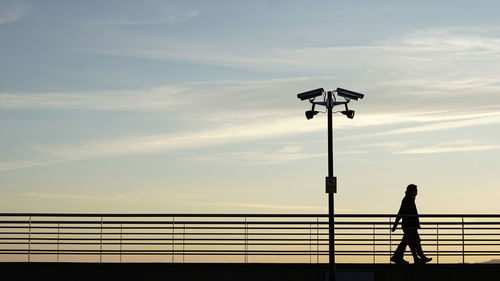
(67, 196)
(447, 147)
(285, 154)
(155, 143)
(12, 11)
(414, 146)
(259, 130)
(145, 99)
(425, 123)
(169, 17)
(260, 206)
(15, 165)
(423, 52)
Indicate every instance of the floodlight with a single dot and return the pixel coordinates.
(311, 94)
(349, 94)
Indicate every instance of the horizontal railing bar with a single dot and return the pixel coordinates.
(241, 227)
(232, 251)
(165, 222)
(165, 239)
(240, 222)
(169, 227)
(160, 215)
(163, 233)
(176, 244)
(235, 254)
(233, 244)
(236, 234)
(170, 251)
(242, 215)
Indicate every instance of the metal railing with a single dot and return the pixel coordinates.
(240, 238)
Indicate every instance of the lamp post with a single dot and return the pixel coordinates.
(330, 101)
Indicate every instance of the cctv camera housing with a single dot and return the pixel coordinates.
(311, 94)
(310, 114)
(349, 113)
(349, 94)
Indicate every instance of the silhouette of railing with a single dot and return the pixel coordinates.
(242, 238)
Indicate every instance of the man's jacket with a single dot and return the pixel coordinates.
(408, 211)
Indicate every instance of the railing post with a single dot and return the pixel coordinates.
(58, 231)
(246, 240)
(121, 241)
(183, 243)
(29, 240)
(317, 240)
(463, 241)
(437, 243)
(100, 246)
(173, 239)
(373, 235)
(390, 239)
(310, 243)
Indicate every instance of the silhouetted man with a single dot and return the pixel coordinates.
(411, 224)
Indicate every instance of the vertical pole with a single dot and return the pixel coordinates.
(246, 240)
(390, 239)
(317, 239)
(463, 241)
(310, 243)
(183, 243)
(173, 239)
(437, 242)
(58, 242)
(331, 221)
(373, 243)
(29, 240)
(100, 246)
(121, 241)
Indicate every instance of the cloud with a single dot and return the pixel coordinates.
(425, 52)
(437, 123)
(413, 147)
(456, 146)
(147, 99)
(64, 196)
(255, 130)
(12, 11)
(286, 154)
(270, 206)
(9, 166)
(156, 143)
(166, 18)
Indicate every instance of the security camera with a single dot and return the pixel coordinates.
(310, 114)
(349, 94)
(311, 94)
(348, 113)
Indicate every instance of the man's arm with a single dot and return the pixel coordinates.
(395, 225)
(398, 217)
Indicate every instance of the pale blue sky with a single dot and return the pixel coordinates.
(190, 106)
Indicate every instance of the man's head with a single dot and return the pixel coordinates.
(411, 190)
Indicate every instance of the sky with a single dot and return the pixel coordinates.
(190, 106)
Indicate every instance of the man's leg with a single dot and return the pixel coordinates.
(418, 248)
(412, 236)
(397, 257)
(400, 250)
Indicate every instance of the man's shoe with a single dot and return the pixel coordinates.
(424, 260)
(399, 260)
